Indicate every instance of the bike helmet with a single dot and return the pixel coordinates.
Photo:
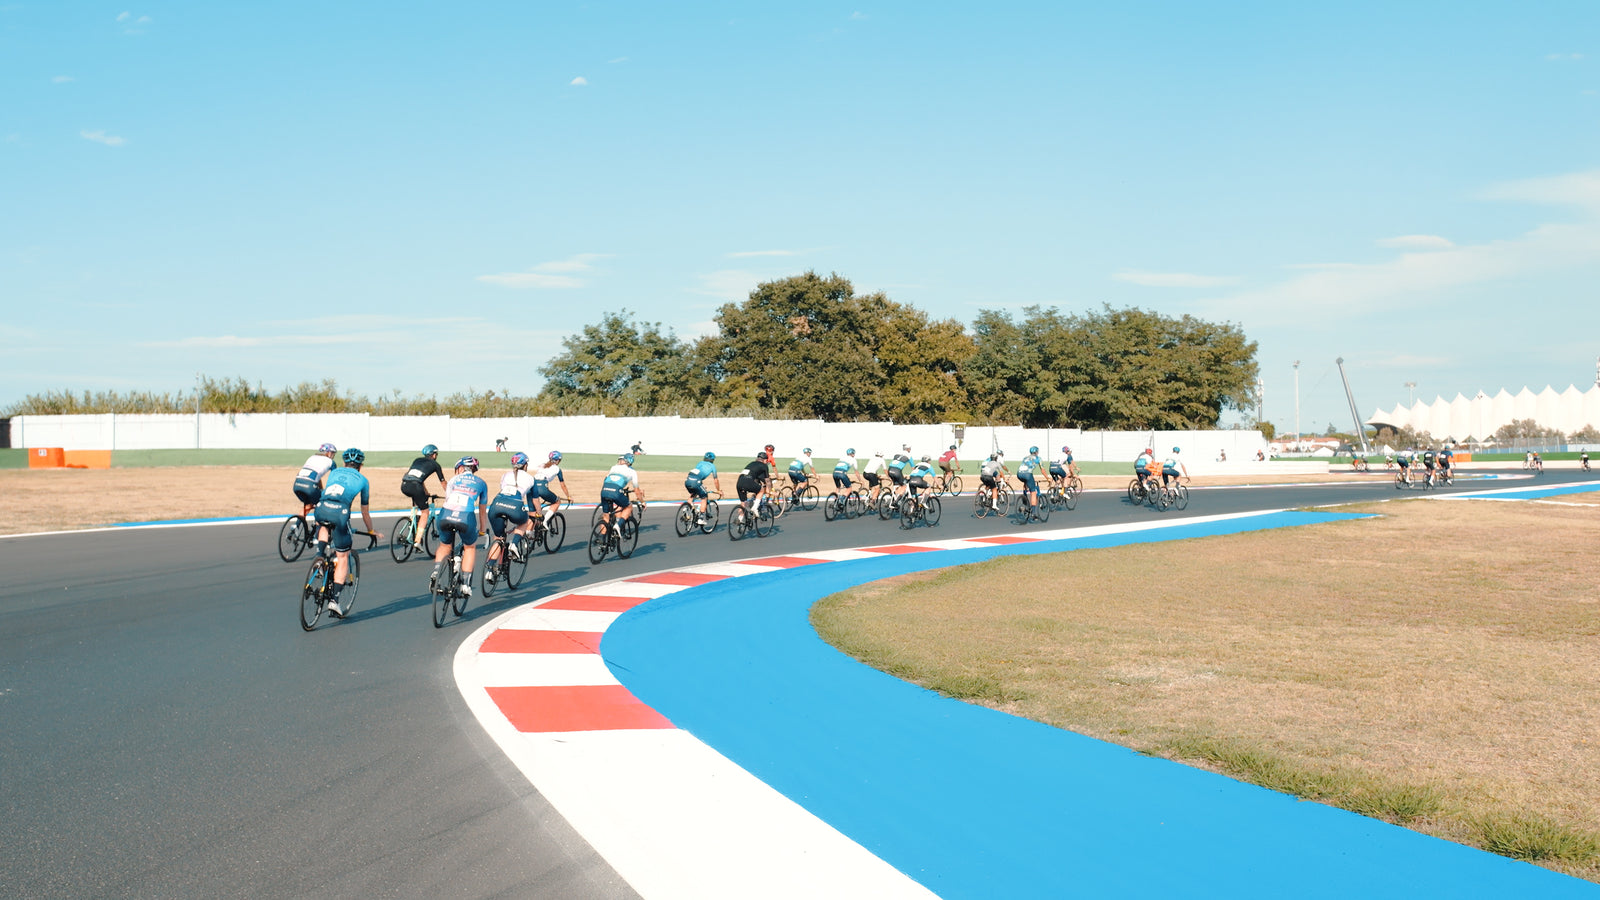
(1065, 449)
(519, 460)
(555, 456)
(850, 451)
(952, 446)
(327, 448)
(429, 450)
(927, 459)
(627, 458)
(710, 457)
(762, 455)
(354, 457)
(1176, 450)
(467, 462)
(1033, 449)
(806, 450)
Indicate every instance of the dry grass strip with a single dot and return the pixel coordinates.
(1438, 667)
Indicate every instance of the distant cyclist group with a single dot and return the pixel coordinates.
(525, 510)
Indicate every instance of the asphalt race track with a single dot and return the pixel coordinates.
(169, 730)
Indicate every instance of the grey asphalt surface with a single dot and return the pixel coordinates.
(168, 730)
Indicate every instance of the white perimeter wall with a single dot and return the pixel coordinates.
(599, 434)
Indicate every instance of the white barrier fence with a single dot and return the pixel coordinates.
(601, 434)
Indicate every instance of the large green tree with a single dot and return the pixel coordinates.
(619, 366)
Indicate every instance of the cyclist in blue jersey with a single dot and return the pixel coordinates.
(510, 506)
(1173, 468)
(844, 471)
(1447, 457)
(541, 493)
(899, 465)
(462, 515)
(801, 470)
(308, 483)
(695, 483)
(920, 473)
(1141, 466)
(614, 490)
(1026, 471)
(1062, 467)
(345, 486)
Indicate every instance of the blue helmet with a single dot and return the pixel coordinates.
(519, 460)
(710, 457)
(354, 457)
(1176, 450)
(1033, 449)
(627, 458)
(429, 450)
(327, 448)
(555, 456)
(850, 451)
(467, 462)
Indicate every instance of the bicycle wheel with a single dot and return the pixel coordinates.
(497, 566)
(594, 518)
(1069, 498)
(1163, 499)
(1003, 500)
(855, 505)
(638, 513)
(599, 543)
(627, 538)
(555, 531)
(1042, 510)
(311, 607)
(1077, 485)
(1399, 483)
(440, 591)
(931, 512)
(738, 523)
(400, 545)
(1181, 497)
(766, 520)
(831, 507)
(980, 505)
(807, 497)
(908, 513)
(953, 486)
(517, 569)
(711, 517)
(352, 583)
(684, 522)
(292, 538)
(458, 597)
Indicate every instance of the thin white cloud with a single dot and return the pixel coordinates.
(100, 137)
(857, 16)
(124, 16)
(620, 59)
(749, 254)
(1417, 242)
(729, 285)
(62, 79)
(1564, 57)
(1174, 279)
(580, 81)
(554, 275)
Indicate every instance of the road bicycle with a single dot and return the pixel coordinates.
(1175, 494)
(510, 568)
(402, 542)
(638, 512)
(619, 536)
(294, 537)
(743, 520)
(549, 530)
(847, 505)
(1403, 480)
(449, 597)
(1001, 502)
(688, 519)
(803, 497)
(889, 499)
(1061, 497)
(1031, 512)
(948, 485)
(918, 509)
(1142, 492)
(318, 589)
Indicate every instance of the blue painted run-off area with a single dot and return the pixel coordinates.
(975, 803)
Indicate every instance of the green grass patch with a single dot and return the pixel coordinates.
(1537, 839)
(14, 458)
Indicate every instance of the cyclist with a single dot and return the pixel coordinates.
(461, 516)
(540, 493)
(1141, 466)
(333, 517)
(920, 473)
(637, 449)
(1403, 460)
(1173, 468)
(614, 490)
(308, 484)
(844, 471)
(1583, 461)
(1026, 471)
(899, 464)
(753, 480)
(1062, 467)
(993, 469)
(801, 470)
(872, 471)
(949, 464)
(1538, 462)
(1427, 463)
(1447, 458)
(695, 484)
(510, 505)
(413, 485)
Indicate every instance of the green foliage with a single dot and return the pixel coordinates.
(1588, 434)
(1267, 429)
(621, 366)
(1520, 429)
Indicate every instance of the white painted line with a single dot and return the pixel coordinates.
(542, 669)
(537, 618)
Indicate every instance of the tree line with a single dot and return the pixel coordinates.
(809, 346)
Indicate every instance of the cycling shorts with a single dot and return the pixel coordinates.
(1058, 472)
(988, 480)
(417, 491)
(897, 476)
(337, 517)
(449, 529)
(541, 489)
(842, 482)
(1168, 470)
(611, 501)
(748, 487)
(506, 507)
(797, 477)
(696, 488)
(917, 481)
(1026, 478)
(946, 465)
(871, 478)
(308, 491)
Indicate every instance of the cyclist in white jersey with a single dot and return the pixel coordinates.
(873, 471)
(510, 507)
(308, 483)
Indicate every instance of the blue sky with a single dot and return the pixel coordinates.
(429, 197)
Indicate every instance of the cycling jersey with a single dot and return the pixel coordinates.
(1170, 464)
(345, 486)
(308, 483)
(1142, 464)
(752, 478)
(922, 471)
(947, 460)
(1026, 467)
(874, 466)
(517, 481)
(422, 468)
(464, 495)
(801, 464)
(1064, 460)
(697, 477)
(509, 505)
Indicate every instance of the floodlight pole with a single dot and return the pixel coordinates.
(1297, 405)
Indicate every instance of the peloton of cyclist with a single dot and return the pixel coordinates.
(990, 473)
(801, 470)
(1172, 468)
(1026, 472)
(462, 515)
(541, 493)
(695, 484)
(614, 490)
(1062, 467)
(753, 480)
(872, 472)
(844, 471)
(413, 484)
(510, 505)
(308, 484)
(948, 464)
(345, 486)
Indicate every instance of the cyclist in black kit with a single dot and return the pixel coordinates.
(411, 484)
